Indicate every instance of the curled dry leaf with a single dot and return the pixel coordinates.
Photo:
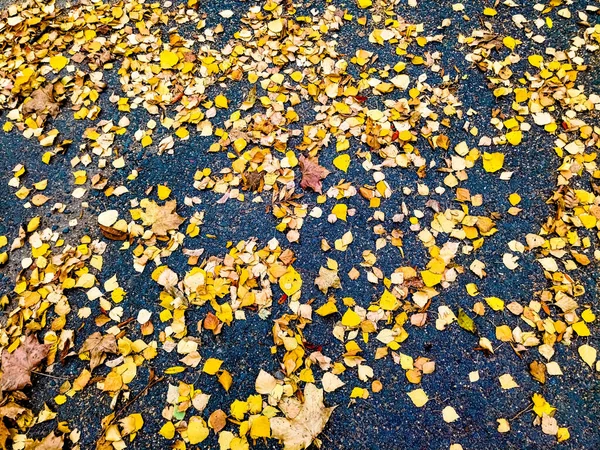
(113, 234)
(17, 366)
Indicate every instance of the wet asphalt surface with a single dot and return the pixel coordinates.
(387, 420)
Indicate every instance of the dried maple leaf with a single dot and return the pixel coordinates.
(327, 279)
(162, 218)
(299, 432)
(98, 346)
(42, 102)
(50, 442)
(312, 174)
(17, 366)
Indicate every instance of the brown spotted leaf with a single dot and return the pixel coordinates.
(17, 366)
(312, 174)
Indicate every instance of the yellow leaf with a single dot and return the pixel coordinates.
(58, 62)
(174, 370)
(260, 427)
(327, 309)
(514, 199)
(493, 162)
(497, 304)
(588, 354)
(535, 60)
(581, 329)
(290, 282)
(342, 162)
(514, 137)
(509, 42)
(586, 315)
(359, 392)
(340, 211)
(226, 380)
(350, 319)
(472, 289)
(364, 3)
(418, 397)
(430, 279)
(163, 192)
(197, 430)
(541, 406)
(212, 366)
(504, 333)
(167, 431)
(146, 141)
(168, 59)
(388, 302)
(562, 434)
(221, 101)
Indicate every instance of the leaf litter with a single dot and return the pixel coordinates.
(305, 99)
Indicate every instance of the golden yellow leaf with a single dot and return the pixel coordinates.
(493, 162)
(168, 59)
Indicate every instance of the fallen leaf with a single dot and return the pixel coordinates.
(465, 322)
(327, 279)
(538, 371)
(162, 218)
(17, 366)
(312, 174)
(41, 102)
(50, 442)
(300, 432)
(98, 346)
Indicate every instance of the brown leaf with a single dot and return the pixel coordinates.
(42, 102)
(98, 346)
(17, 366)
(538, 371)
(50, 442)
(112, 233)
(12, 410)
(212, 322)
(162, 218)
(217, 420)
(312, 174)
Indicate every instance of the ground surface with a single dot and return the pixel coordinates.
(385, 420)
